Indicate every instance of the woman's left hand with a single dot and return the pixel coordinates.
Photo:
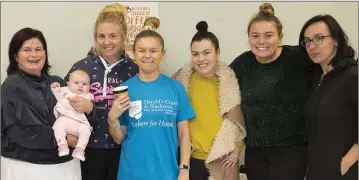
(184, 174)
(231, 159)
(81, 104)
(344, 167)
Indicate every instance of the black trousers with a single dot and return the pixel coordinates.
(100, 164)
(276, 163)
(198, 170)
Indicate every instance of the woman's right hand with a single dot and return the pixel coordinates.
(119, 106)
(71, 140)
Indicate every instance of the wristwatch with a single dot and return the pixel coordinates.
(183, 166)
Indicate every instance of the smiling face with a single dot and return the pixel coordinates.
(31, 57)
(204, 57)
(110, 41)
(148, 54)
(323, 52)
(264, 40)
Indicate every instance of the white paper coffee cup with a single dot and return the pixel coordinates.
(120, 91)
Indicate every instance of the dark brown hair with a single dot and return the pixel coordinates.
(203, 33)
(344, 50)
(16, 43)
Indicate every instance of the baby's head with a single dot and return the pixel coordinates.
(79, 82)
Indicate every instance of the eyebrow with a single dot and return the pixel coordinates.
(268, 32)
(149, 48)
(105, 34)
(202, 51)
(314, 35)
(318, 34)
(29, 46)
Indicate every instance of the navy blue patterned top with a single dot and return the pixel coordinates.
(120, 73)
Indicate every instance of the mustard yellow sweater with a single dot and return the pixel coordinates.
(203, 93)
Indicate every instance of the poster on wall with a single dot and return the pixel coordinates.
(137, 13)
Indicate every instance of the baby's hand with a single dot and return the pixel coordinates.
(55, 85)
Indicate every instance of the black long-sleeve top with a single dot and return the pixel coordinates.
(273, 97)
(27, 118)
(331, 114)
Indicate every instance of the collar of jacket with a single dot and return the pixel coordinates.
(229, 95)
(230, 133)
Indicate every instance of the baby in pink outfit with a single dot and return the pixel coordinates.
(68, 120)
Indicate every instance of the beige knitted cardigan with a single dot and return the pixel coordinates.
(232, 129)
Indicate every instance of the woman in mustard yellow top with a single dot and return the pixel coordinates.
(218, 129)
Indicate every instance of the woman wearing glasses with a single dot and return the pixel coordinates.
(332, 108)
(274, 82)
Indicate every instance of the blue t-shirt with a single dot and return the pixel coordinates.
(149, 150)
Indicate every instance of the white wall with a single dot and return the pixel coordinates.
(68, 26)
(228, 21)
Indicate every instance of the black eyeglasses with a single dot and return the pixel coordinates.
(317, 40)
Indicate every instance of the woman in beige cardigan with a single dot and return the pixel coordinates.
(218, 129)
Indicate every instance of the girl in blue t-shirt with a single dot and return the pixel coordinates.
(152, 121)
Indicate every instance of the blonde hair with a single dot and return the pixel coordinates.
(266, 8)
(153, 22)
(266, 13)
(113, 13)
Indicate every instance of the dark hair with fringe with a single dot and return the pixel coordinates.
(344, 50)
(16, 43)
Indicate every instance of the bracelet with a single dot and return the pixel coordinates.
(183, 166)
(114, 125)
